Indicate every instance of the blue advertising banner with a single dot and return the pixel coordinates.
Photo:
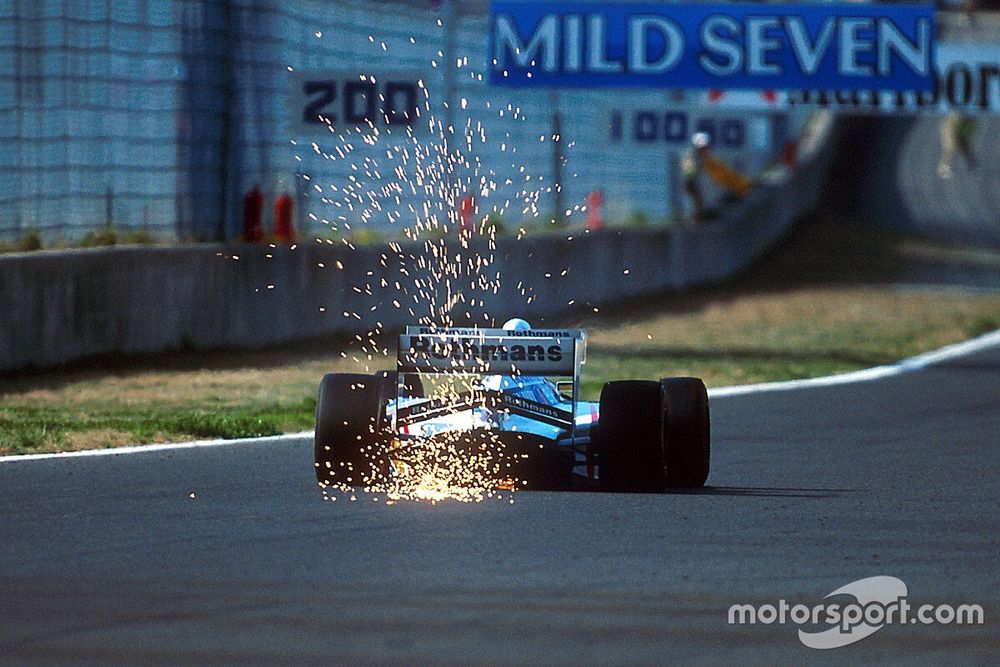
(731, 46)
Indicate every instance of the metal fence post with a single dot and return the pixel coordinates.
(229, 183)
(557, 159)
(450, 93)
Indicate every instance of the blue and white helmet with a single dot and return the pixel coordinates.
(495, 382)
(700, 140)
(516, 324)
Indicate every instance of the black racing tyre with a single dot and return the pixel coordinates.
(347, 428)
(391, 378)
(688, 432)
(629, 437)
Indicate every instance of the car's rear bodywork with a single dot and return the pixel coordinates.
(518, 387)
(482, 408)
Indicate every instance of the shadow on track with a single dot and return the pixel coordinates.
(764, 491)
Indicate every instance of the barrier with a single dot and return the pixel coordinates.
(60, 306)
(158, 115)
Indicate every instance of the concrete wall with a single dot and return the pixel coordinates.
(57, 307)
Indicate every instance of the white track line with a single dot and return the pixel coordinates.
(146, 449)
(916, 363)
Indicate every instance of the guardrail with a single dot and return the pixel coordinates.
(61, 306)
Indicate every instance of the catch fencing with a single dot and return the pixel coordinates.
(159, 115)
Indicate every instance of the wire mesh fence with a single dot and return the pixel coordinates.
(158, 116)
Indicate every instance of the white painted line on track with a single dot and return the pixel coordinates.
(916, 363)
(146, 449)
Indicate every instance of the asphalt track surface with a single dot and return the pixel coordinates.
(108, 559)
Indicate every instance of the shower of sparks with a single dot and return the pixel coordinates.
(454, 465)
(446, 468)
(440, 273)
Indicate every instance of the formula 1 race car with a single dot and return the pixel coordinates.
(517, 386)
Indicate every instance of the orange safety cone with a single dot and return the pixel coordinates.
(253, 211)
(283, 209)
(466, 208)
(594, 219)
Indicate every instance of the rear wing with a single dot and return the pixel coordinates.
(552, 353)
(548, 352)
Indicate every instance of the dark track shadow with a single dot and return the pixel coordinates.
(127, 365)
(763, 491)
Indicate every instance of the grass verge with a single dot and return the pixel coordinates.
(789, 318)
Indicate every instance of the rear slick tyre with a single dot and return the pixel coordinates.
(687, 435)
(630, 437)
(347, 429)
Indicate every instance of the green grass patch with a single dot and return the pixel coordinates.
(716, 371)
(28, 429)
(982, 324)
(825, 304)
